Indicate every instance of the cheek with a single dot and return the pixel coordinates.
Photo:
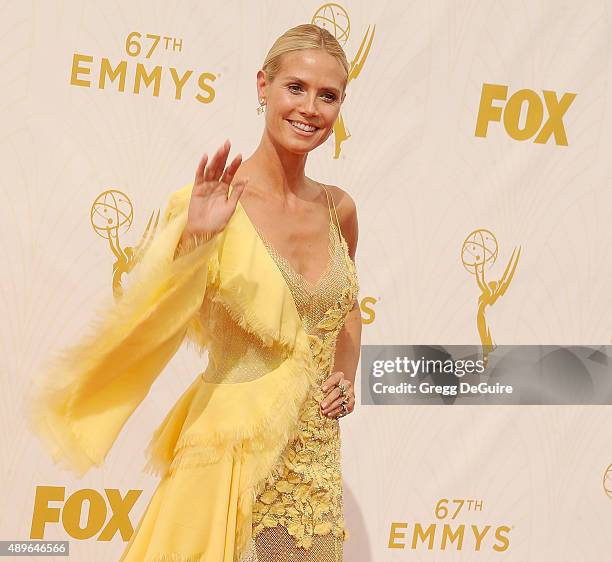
(331, 114)
(285, 104)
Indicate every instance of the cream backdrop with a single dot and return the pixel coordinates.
(422, 181)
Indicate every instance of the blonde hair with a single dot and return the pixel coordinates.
(304, 36)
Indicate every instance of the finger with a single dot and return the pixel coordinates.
(336, 404)
(210, 169)
(213, 173)
(209, 174)
(336, 411)
(330, 399)
(334, 414)
(350, 406)
(222, 160)
(333, 379)
(228, 174)
(199, 176)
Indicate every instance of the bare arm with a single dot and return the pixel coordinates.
(348, 345)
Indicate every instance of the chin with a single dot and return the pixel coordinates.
(297, 146)
(302, 148)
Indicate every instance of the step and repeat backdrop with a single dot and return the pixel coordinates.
(476, 141)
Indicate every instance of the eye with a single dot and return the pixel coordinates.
(296, 88)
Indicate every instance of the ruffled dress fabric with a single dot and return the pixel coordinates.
(228, 436)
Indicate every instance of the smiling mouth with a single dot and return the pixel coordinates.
(302, 127)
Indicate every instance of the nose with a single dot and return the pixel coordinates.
(309, 107)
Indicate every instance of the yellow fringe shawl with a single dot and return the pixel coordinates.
(90, 390)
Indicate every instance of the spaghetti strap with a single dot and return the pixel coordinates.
(329, 197)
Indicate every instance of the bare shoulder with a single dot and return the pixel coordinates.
(345, 204)
(347, 216)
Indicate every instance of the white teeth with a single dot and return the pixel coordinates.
(308, 128)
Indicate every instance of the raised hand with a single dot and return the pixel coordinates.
(209, 206)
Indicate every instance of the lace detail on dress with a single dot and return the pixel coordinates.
(302, 284)
(299, 514)
(313, 300)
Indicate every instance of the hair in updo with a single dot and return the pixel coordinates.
(304, 36)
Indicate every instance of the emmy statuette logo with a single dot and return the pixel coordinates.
(480, 250)
(607, 481)
(111, 216)
(335, 19)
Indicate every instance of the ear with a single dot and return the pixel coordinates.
(262, 85)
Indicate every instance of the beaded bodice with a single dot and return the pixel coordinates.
(298, 515)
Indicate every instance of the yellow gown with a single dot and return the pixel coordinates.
(249, 467)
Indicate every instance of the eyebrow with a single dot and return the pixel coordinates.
(296, 79)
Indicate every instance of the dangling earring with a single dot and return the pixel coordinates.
(261, 107)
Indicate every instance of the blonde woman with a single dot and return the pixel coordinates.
(263, 278)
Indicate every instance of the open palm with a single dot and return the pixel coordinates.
(210, 208)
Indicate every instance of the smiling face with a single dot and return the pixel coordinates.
(303, 100)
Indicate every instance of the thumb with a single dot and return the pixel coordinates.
(237, 190)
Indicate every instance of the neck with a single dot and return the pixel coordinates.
(279, 172)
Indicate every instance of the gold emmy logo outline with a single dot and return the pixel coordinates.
(110, 212)
(607, 481)
(327, 16)
(481, 245)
